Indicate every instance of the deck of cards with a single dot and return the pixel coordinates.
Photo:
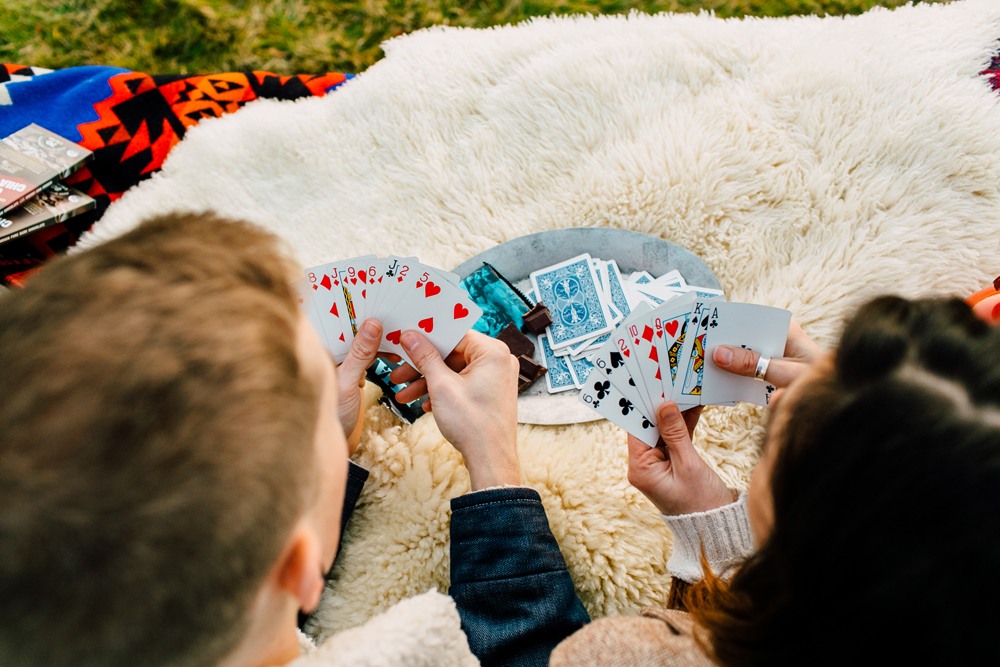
(400, 292)
(633, 343)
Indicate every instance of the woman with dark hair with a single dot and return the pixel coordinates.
(875, 509)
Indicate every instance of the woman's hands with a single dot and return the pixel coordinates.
(672, 474)
(351, 380)
(800, 353)
(474, 398)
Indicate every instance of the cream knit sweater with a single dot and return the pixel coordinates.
(724, 533)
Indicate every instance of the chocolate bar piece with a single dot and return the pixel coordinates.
(537, 319)
(518, 343)
(529, 372)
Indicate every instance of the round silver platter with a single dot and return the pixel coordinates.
(516, 259)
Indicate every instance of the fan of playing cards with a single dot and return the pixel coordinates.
(400, 292)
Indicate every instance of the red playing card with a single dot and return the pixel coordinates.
(460, 311)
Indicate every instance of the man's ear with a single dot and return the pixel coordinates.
(299, 572)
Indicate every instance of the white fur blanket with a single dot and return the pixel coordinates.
(812, 163)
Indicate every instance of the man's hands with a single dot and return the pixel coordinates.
(474, 397)
(800, 353)
(672, 474)
(351, 378)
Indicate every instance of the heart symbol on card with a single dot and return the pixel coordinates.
(363, 294)
(626, 353)
(427, 325)
(363, 277)
(354, 281)
(431, 289)
(393, 337)
(671, 327)
(460, 311)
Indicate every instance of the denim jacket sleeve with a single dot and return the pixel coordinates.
(356, 478)
(509, 579)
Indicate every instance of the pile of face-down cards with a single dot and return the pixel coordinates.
(400, 292)
(661, 351)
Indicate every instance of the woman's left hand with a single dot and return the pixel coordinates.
(673, 475)
(351, 380)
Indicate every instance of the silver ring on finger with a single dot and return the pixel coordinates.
(762, 364)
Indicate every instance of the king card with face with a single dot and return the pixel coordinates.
(691, 362)
(762, 329)
(571, 292)
(605, 398)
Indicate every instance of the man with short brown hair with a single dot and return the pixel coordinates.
(173, 462)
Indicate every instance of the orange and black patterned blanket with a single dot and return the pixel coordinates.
(130, 120)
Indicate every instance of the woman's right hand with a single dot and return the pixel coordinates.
(800, 353)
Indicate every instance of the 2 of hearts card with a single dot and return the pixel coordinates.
(400, 292)
(663, 353)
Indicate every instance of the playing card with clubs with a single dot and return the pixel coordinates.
(611, 404)
(621, 340)
(762, 329)
(609, 364)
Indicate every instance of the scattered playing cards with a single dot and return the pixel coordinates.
(658, 347)
(400, 292)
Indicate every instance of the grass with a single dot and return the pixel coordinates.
(292, 36)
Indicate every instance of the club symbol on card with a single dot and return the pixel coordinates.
(427, 325)
(626, 406)
(715, 318)
(393, 337)
(460, 311)
(602, 388)
(431, 289)
(767, 397)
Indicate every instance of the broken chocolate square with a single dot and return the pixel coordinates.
(537, 319)
(529, 371)
(518, 343)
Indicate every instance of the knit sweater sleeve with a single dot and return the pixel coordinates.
(724, 533)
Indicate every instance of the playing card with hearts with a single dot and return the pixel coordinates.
(400, 292)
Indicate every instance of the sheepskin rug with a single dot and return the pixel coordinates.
(813, 163)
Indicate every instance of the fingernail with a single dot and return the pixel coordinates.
(369, 329)
(723, 356)
(409, 340)
(669, 411)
